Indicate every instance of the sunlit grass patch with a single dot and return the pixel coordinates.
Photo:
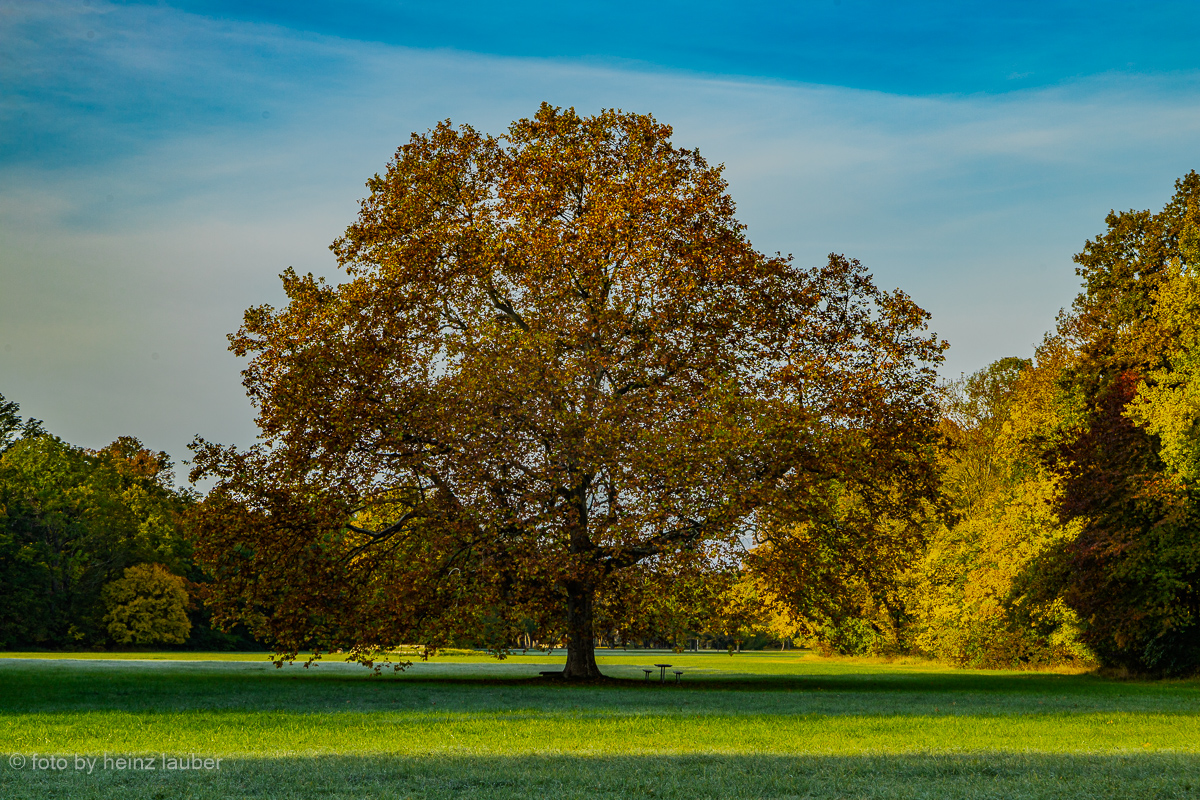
(588, 731)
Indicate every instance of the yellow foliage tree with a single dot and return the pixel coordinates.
(147, 606)
(970, 596)
(1168, 401)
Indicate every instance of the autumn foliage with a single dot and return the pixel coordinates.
(1076, 535)
(557, 370)
(559, 398)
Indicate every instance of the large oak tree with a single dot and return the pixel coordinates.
(557, 365)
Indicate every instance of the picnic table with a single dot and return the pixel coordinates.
(662, 675)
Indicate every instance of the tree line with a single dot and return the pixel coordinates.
(92, 547)
(1071, 527)
(561, 399)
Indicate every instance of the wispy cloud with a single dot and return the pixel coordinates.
(145, 199)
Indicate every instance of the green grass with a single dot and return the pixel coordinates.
(755, 725)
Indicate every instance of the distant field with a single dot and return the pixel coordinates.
(753, 725)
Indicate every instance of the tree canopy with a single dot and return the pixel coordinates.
(148, 605)
(557, 363)
(560, 397)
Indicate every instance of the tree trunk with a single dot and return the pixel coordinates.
(581, 640)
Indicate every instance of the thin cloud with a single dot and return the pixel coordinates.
(973, 204)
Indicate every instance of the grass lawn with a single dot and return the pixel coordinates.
(754, 725)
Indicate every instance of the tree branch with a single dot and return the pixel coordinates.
(381, 536)
(505, 306)
(622, 557)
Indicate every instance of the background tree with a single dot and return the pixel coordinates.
(1082, 541)
(148, 605)
(975, 412)
(969, 596)
(71, 520)
(1132, 573)
(1167, 404)
(837, 574)
(556, 359)
(12, 427)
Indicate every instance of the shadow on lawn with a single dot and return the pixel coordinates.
(983, 775)
(64, 686)
(914, 682)
(33, 679)
(862, 682)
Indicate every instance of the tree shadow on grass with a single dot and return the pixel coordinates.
(34, 675)
(869, 682)
(981, 775)
(55, 688)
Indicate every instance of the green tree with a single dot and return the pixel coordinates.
(71, 520)
(1167, 404)
(557, 360)
(975, 411)
(147, 606)
(12, 427)
(837, 574)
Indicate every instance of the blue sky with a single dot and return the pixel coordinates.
(161, 163)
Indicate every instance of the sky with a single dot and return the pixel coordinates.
(162, 162)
